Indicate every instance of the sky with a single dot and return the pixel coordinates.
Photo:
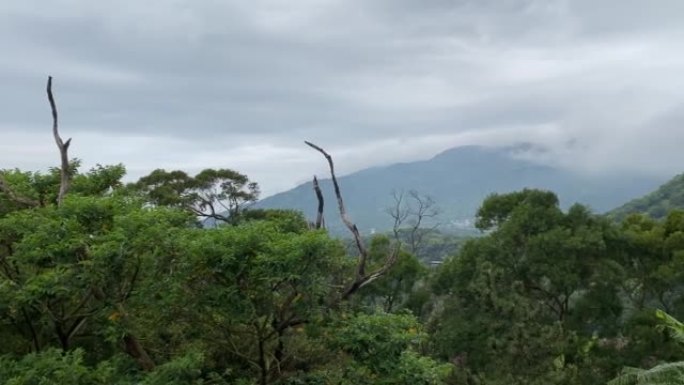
(193, 84)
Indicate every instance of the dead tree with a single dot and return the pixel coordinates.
(65, 171)
(399, 212)
(361, 277)
(320, 222)
(414, 213)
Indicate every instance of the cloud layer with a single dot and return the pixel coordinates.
(240, 84)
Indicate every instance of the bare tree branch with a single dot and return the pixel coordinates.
(319, 197)
(343, 212)
(425, 208)
(398, 212)
(412, 211)
(361, 278)
(65, 172)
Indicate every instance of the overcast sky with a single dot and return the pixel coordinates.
(192, 84)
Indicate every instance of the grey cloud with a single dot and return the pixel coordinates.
(241, 84)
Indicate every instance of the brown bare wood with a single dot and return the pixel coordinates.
(361, 279)
(65, 173)
(135, 350)
(343, 212)
(319, 198)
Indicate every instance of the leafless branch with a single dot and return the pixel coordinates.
(398, 212)
(65, 172)
(361, 278)
(343, 212)
(319, 197)
(424, 208)
(413, 212)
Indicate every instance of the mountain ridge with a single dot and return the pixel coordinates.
(458, 179)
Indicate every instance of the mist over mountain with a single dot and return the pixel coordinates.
(458, 180)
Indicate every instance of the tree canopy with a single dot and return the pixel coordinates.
(103, 282)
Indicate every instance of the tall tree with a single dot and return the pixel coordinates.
(512, 297)
(216, 194)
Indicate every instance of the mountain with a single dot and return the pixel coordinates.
(458, 180)
(657, 203)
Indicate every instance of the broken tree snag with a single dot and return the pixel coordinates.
(361, 279)
(340, 203)
(65, 172)
(319, 198)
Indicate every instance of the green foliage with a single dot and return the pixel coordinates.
(43, 187)
(653, 256)
(523, 300)
(657, 204)
(119, 285)
(381, 349)
(526, 205)
(216, 194)
(54, 367)
(100, 180)
(184, 370)
(396, 289)
(663, 374)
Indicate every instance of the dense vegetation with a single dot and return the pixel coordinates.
(120, 285)
(106, 283)
(657, 204)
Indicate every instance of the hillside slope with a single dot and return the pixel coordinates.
(458, 180)
(658, 203)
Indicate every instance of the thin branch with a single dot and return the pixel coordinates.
(65, 172)
(238, 352)
(370, 278)
(81, 304)
(424, 209)
(75, 328)
(319, 197)
(200, 212)
(398, 212)
(134, 279)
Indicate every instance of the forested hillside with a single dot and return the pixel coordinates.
(656, 204)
